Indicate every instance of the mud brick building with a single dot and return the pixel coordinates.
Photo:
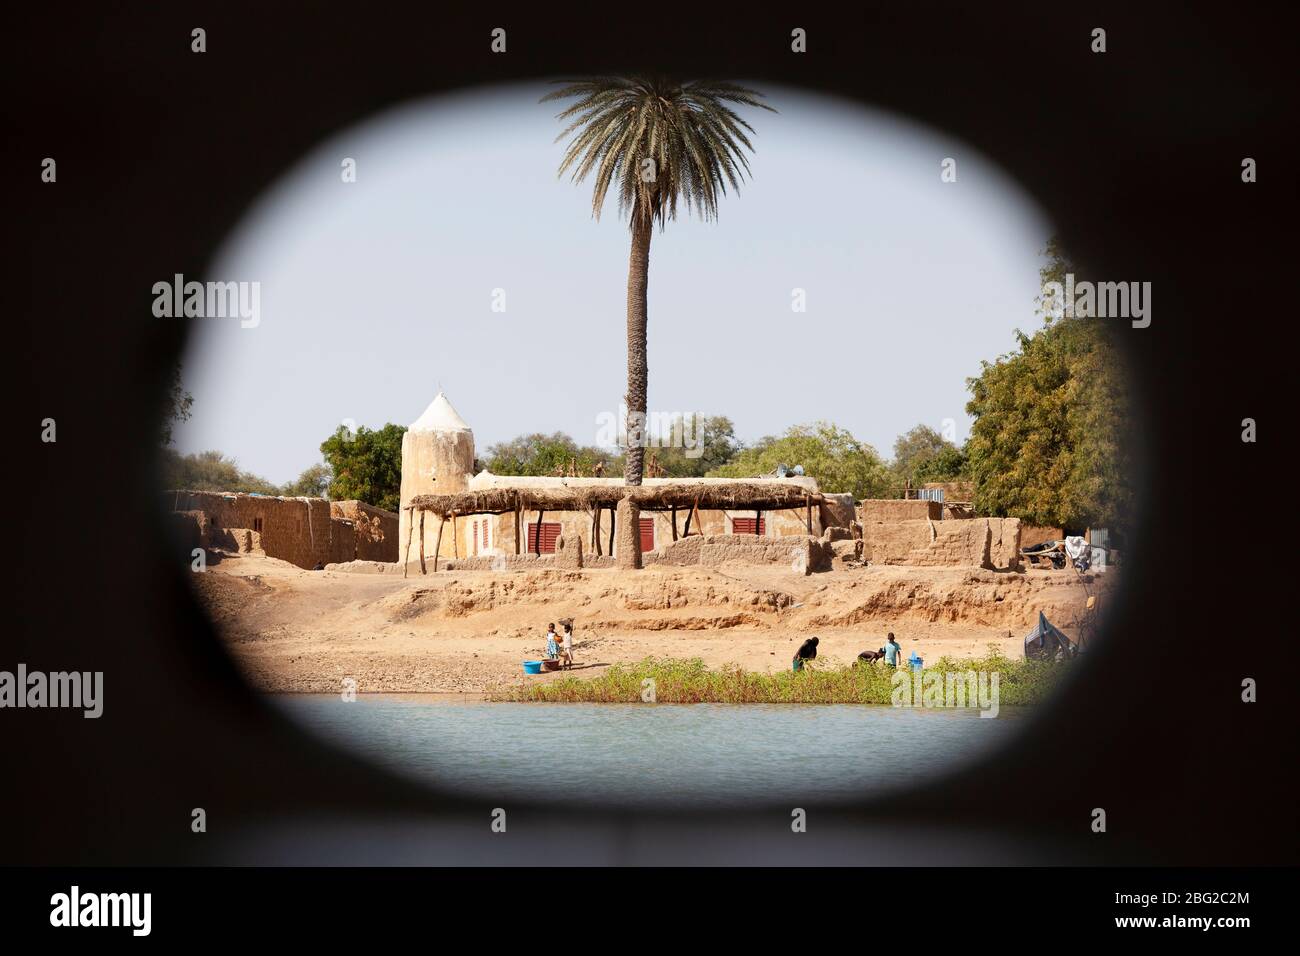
(438, 459)
(302, 531)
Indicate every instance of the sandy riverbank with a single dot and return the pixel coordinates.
(461, 632)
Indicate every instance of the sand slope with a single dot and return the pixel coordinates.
(296, 630)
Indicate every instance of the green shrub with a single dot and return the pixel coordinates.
(1020, 682)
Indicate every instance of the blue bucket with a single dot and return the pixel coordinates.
(532, 667)
(916, 662)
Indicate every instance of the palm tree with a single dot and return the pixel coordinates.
(662, 142)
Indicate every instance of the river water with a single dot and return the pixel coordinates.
(648, 755)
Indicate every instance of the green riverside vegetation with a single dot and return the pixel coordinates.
(1021, 682)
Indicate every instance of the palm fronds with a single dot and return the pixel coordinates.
(657, 142)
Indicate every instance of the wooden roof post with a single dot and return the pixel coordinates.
(410, 530)
(422, 568)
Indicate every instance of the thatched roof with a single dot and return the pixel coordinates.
(731, 496)
(728, 495)
(571, 498)
(485, 480)
(493, 501)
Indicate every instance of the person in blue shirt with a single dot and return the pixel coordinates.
(552, 649)
(892, 650)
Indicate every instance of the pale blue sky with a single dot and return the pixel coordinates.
(374, 293)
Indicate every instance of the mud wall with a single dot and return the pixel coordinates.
(343, 541)
(1004, 543)
(891, 542)
(804, 554)
(500, 562)
(897, 509)
(297, 530)
(1032, 534)
(838, 511)
(568, 552)
(954, 544)
(374, 529)
(992, 543)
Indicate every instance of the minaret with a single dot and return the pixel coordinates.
(437, 459)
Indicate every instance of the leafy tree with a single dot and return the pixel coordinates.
(1048, 444)
(314, 482)
(923, 453)
(213, 471)
(366, 465)
(948, 465)
(210, 471)
(177, 406)
(838, 461)
(712, 441)
(539, 454)
(660, 142)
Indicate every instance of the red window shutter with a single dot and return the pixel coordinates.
(550, 532)
(746, 526)
(647, 534)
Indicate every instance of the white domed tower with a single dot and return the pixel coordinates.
(437, 459)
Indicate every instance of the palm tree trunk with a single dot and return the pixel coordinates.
(638, 279)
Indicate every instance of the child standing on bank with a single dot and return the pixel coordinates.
(567, 649)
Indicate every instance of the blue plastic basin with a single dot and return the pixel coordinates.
(532, 667)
